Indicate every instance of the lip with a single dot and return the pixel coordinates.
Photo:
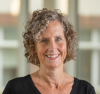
(53, 58)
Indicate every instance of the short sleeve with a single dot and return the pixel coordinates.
(8, 89)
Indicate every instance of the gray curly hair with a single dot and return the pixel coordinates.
(38, 23)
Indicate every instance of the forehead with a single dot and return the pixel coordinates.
(54, 29)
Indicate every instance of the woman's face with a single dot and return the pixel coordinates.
(52, 48)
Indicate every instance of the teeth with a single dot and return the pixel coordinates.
(53, 56)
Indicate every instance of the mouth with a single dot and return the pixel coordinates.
(53, 56)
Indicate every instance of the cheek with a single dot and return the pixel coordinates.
(40, 51)
(63, 48)
(64, 51)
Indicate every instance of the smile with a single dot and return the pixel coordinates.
(52, 56)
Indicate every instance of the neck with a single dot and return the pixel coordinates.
(52, 77)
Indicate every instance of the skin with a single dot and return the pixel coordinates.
(50, 78)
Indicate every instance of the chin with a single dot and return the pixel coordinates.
(54, 65)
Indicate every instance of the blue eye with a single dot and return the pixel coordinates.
(44, 40)
(58, 39)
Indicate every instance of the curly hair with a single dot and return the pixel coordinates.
(38, 23)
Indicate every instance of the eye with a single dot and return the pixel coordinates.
(58, 39)
(44, 40)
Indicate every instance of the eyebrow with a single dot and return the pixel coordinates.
(49, 37)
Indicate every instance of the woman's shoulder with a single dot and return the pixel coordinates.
(83, 86)
(80, 82)
(16, 84)
(18, 80)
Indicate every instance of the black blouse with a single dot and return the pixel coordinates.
(25, 85)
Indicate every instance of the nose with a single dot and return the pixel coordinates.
(52, 46)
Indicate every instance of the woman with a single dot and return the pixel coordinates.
(49, 42)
